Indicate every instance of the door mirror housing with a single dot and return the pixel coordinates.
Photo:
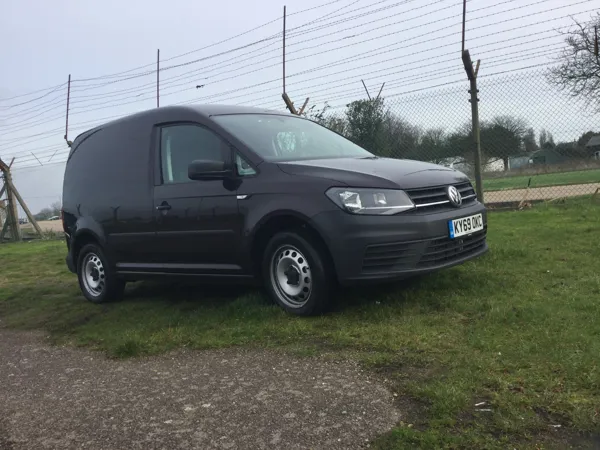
(201, 169)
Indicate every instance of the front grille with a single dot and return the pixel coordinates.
(391, 257)
(399, 256)
(445, 250)
(435, 198)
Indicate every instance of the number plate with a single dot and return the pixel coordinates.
(465, 225)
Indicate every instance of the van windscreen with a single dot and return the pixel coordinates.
(288, 138)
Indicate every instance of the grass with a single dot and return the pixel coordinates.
(546, 179)
(518, 329)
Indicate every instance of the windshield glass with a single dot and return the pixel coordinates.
(288, 138)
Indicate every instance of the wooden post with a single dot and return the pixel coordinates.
(303, 106)
(14, 198)
(2, 209)
(3, 213)
(289, 103)
(25, 208)
(12, 216)
(4, 229)
(471, 74)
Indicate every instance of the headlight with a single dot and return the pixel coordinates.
(371, 201)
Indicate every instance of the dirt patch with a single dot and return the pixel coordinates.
(46, 226)
(57, 397)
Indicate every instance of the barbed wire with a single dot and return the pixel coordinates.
(186, 53)
(403, 30)
(193, 73)
(331, 90)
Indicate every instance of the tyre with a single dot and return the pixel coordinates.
(97, 279)
(297, 274)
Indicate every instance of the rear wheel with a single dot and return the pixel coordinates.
(296, 274)
(97, 280)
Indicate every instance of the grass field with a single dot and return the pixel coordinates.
(546, 179)
(518, 329)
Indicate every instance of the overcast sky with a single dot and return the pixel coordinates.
(412, 45)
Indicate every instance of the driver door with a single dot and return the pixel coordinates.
(197, 222)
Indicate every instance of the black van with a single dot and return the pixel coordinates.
(243, 194)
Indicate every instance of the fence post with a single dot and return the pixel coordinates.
(472, 75)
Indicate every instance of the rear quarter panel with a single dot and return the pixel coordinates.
(107, 188)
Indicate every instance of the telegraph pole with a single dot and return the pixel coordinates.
(286, 99)
(67, 114)
(284, 49)
(158, 78)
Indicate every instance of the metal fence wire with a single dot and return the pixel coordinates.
(537, 143)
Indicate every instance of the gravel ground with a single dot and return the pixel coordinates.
(541, 193)
(66, 398)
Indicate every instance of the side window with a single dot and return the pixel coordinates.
(182, 144)
(243, 168)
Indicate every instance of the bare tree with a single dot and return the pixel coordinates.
(56, 207)
(529, 141)
(515, 125)
(503, 138)
(546, 139)
(579, 70)
(432, 146)
(329, 120)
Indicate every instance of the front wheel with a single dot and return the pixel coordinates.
(296, 274)
(97, 280)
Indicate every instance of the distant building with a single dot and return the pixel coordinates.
(518, 162)
(493, 165)
(453, 162)
(593, 147)
(461, 164)
(546, 157)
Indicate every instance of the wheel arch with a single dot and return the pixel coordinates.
(80, 240)
(285, 221)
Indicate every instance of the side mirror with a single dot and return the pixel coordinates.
(208, 170)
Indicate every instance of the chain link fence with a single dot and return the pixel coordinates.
(537, 143)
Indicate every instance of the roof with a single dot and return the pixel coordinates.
(542, 151)
(215, 110)
(205, 110)
(593, 142)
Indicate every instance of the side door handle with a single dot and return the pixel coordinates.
(164, 206)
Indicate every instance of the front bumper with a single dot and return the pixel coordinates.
(376, 248)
